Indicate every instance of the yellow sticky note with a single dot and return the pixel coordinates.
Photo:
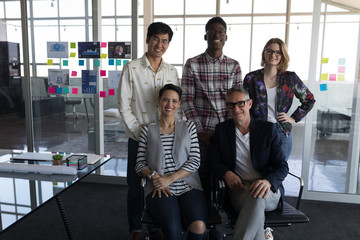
(49, 62)
(324, 60)
(72, 45)
(72, 54)
(103, 55)
(324, 76)
(341, 77)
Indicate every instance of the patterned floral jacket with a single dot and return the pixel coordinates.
(289, 84)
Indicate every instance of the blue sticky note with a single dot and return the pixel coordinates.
(81, 62)
(342, 61)
(97, 63)
(323, 87)
(125, 61)
(59, 90)
(111, 62)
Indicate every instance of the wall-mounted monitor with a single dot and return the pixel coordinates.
(89, 49)
(119, 50)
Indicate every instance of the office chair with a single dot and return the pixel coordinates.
(287, 216)
(72, 102)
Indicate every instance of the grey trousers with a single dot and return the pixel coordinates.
(250, 222)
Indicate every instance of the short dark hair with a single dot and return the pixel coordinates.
(215, 20)
(159, 27)
(172, 87)
(237, 89)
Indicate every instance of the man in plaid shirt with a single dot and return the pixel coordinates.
(205, 81)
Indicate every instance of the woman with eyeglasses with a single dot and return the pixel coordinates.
(272, 90)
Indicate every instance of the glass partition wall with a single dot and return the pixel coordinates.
(325, 144)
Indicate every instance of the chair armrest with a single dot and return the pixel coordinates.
(218, 193)
(301, 182)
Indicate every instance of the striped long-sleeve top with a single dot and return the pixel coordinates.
(167, 140)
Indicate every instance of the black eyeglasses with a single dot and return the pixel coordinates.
(213, 32)
(239, 104)
(270, 52)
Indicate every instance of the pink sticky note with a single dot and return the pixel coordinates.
(332, 77)
(103, 44)
(102, 73)
(73, 73)
(74, 91)
(111, 92)
(51, 89)
(102, 94)
(341, 69)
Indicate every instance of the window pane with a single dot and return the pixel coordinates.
(194, 40)
(200, 7)
(107, 7)
(44, 31)
(45, 9)
(235, 7)
(123, 8)
(2, 9)
(72, 30)
(266, 6)
(108, 30)
(12, 9)
(302, 6)
(123, 34)
(161, 7)
(71, 8)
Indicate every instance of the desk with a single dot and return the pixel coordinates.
(22, 193)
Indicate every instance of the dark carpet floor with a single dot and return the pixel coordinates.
(98, 211)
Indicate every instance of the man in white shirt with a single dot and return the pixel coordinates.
(138, 90)
(247, 154)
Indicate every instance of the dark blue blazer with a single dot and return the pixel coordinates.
(266, 154)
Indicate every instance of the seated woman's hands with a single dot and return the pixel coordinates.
(160, 185)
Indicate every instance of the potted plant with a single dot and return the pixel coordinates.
(57, 159)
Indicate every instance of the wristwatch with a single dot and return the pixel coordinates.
(151, 174)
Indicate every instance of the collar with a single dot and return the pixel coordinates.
(146, 63)
(209, 58)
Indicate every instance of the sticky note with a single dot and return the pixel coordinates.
(341, 77)
(332, 77)
(102, 94)
(111, 62)
(72, 45)
(324, 76)
(125, 61)
(103, 45)
(103, 55)
(59, 90)
(51, 89)
(72, 54)
(341, 69)
(324, 60)
(102, 73)
(73, 73)
(118, 62)
(65, 63)
(49, 62)
(65, 90)
(97, 63)
(342, 61)
(81, 62)
(74, 90)
(111, 92)
(323, 87)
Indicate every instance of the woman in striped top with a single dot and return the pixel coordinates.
(169, 156)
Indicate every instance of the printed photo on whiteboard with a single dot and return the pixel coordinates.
(89, 49)
(119, 50)
(57, 50)
(114, 79)
(88, 81)
(58, 77)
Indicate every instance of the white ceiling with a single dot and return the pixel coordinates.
(355, 4)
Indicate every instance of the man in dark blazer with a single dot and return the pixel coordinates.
(247, 154)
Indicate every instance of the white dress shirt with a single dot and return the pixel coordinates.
(138, 93)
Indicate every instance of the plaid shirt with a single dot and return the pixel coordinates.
(205, 81)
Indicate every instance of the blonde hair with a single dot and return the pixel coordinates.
(285, 59)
